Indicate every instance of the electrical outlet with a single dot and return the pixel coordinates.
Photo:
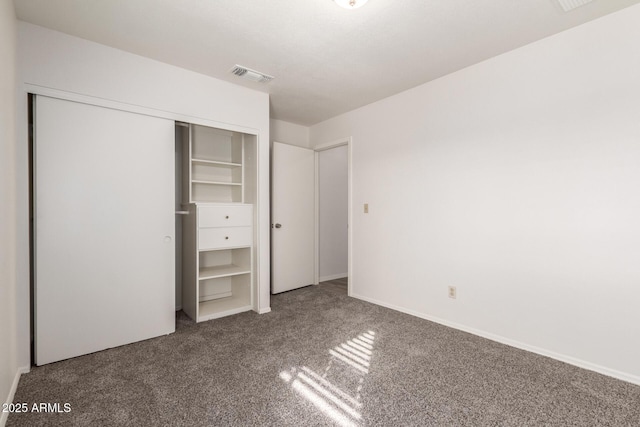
(366, 208)
(453, 292)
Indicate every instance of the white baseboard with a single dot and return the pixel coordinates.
(633, 379)
(12, 393)
(265, 310)
(333, 277)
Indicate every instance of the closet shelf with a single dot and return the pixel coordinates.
(219, 185)
(202, 181)
(222, 271)
(216, 163)
(217, 308)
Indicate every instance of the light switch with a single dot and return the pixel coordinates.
(366, 208)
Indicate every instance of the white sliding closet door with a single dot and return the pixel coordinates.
(104, 228)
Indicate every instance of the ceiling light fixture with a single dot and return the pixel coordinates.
(350, 4)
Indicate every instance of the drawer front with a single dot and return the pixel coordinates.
(225, 216)
(219, 238)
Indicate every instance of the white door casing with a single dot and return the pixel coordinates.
(293, 217)
(104, 228)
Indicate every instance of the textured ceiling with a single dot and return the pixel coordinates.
(326, 60)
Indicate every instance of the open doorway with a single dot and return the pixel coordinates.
(333, 213)
(296, 229)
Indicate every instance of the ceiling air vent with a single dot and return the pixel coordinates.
(568, 5)
(249, 74)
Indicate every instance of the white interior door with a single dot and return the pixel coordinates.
(293, 217)
(104, 228)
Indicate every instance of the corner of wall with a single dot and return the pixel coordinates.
(12, 391)
(289, 133)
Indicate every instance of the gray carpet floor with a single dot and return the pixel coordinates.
(321, 358)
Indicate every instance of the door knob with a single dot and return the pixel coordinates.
(278, 225)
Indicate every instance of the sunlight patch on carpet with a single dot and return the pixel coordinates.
(349, 363)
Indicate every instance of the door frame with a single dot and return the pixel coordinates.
(348, 141)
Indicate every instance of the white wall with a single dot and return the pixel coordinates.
(51, 59)
(515, 180)
(289, 133)
(333, 212)
(7, 200)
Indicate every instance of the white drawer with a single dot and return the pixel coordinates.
(219, 238)
(225, 216)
